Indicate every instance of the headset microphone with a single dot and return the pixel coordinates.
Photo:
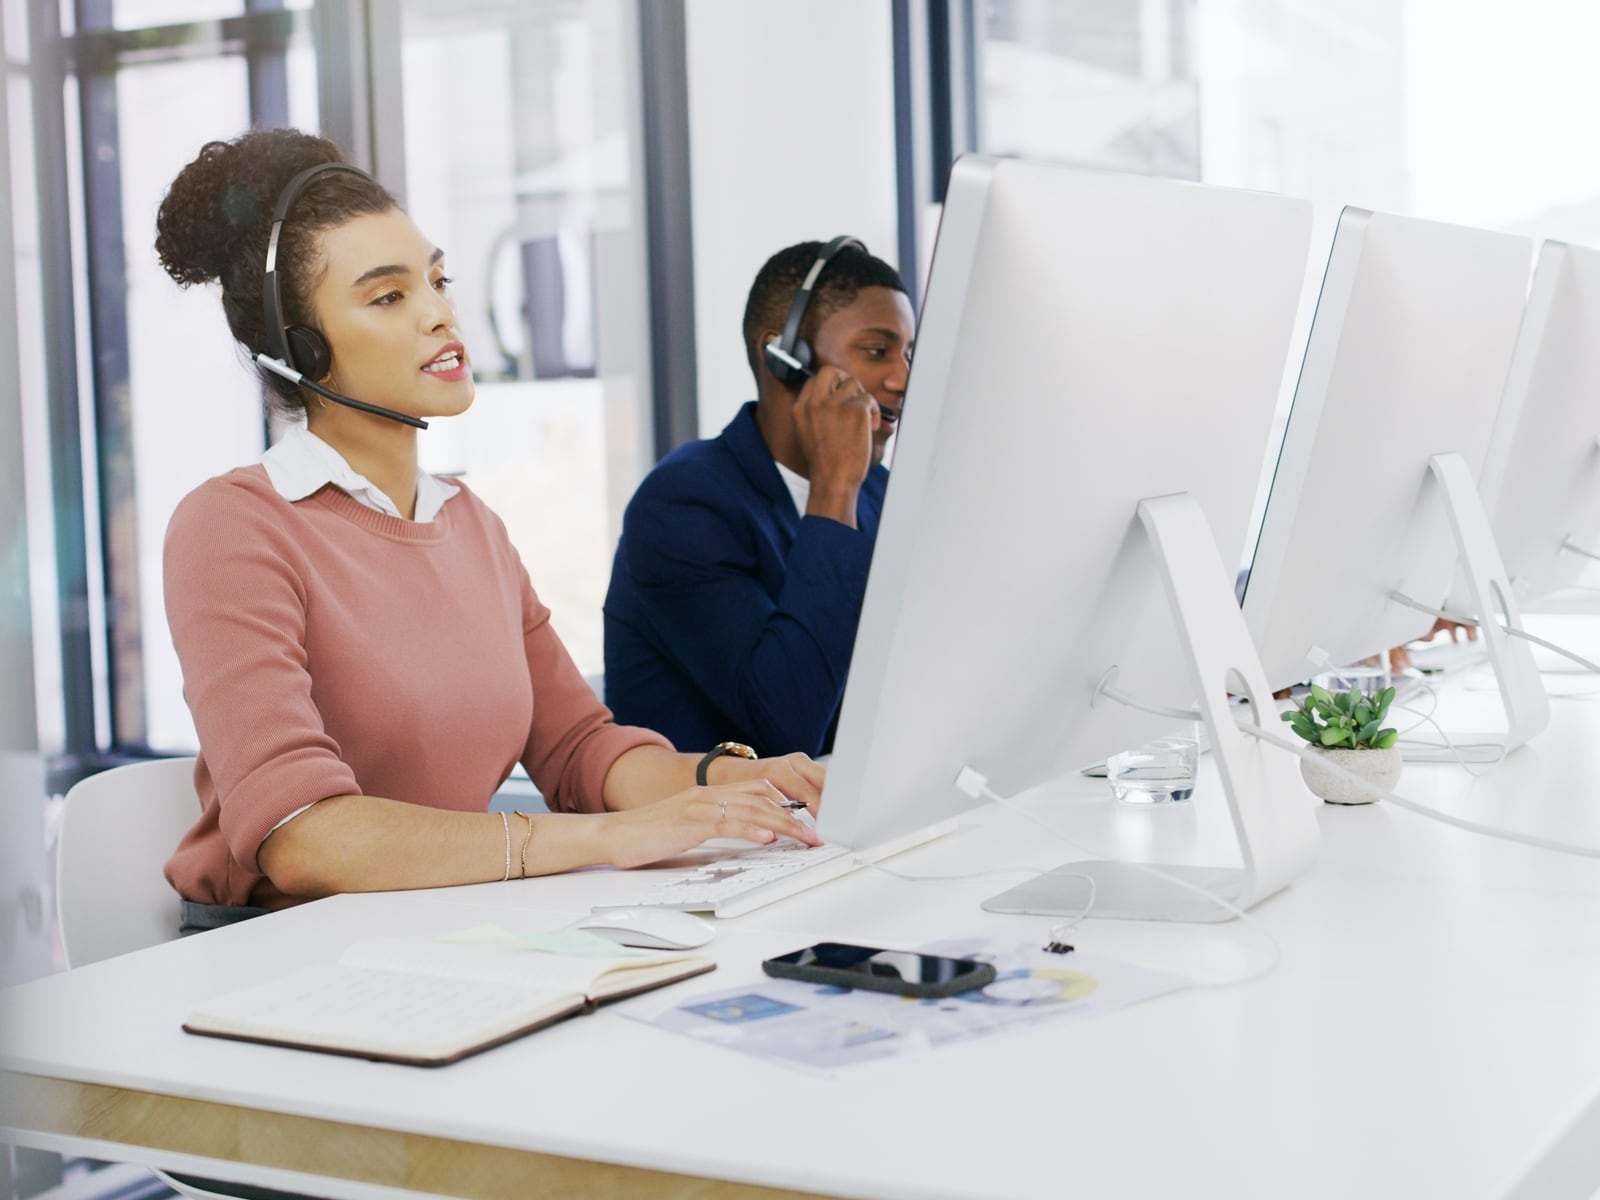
(284, 370)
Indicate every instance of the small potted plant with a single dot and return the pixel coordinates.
(1347, 729)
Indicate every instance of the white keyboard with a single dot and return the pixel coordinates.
(744, 881)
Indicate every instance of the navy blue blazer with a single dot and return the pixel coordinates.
(730, 616)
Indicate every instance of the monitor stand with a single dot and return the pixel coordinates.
(1272, 813)
(1123, 891)
(1516, 673)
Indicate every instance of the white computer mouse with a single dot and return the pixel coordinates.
(649, 928)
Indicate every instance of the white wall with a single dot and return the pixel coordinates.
(791, 132)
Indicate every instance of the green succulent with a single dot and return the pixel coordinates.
(1350, 720)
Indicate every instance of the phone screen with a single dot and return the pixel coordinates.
(890, 965)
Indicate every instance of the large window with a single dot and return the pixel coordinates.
(1105, 83)
(192, 412)
(137, 397)
(1455, 110)
(28, 361)
(520, 148)
(517, 134)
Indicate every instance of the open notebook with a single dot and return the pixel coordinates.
(428, 1002)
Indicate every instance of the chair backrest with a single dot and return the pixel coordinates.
(117, 830)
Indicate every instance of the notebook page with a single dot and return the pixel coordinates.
(488, 953)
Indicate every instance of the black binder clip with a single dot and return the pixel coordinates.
(1058, 943)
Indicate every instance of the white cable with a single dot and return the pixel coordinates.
(1509, 835)
(1060, 929)
(976, 785)
(1511, 630)
(1057, 931)
(1453, 746)
(1583, 662)
(1423, 718)
(1426, 718)
(1159, 710)
(1019, 869)
(1567, 544)
(1429, 610)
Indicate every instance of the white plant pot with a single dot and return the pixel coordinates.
(1380, 767)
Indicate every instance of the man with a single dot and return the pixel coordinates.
(738, 580)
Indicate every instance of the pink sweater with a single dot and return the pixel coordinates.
(328, 649)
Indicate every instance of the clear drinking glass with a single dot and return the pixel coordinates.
(1158, 772)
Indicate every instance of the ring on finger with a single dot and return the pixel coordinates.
(724, 808)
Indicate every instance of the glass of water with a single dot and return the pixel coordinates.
(1158, 772)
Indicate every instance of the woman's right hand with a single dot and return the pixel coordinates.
(751, 810)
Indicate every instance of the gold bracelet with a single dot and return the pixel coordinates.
(506, 826)
(526, 838)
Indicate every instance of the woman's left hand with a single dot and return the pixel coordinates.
(797, 776)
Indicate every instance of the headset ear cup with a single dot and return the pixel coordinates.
(776, 367)
(308, 352)
(782, 371)
(803, 355)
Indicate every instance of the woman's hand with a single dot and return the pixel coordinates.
(751, 810)
(797, 776)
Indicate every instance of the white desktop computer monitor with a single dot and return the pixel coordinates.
(1090, 341)
(1404, 366)
(1541, 483)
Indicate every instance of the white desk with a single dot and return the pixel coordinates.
(1433, 1030)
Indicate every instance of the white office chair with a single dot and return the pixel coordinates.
(117, 830)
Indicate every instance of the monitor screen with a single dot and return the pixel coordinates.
(1542, 480)
(1088, 340)
(1406, 359)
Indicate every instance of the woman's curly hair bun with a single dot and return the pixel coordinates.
(215, 220)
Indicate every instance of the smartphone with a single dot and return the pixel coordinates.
(903, 972)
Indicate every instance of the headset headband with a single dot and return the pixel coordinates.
(271, 301)
(802, 298)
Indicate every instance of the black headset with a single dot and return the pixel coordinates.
(300, 355)
(790, 357)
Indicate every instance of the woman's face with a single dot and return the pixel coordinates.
(383, 306)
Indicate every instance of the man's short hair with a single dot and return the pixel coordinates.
(772, 294)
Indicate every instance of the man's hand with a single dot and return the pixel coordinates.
(796, 775)
(1445, 625)
(1400, 657)
(835, 418)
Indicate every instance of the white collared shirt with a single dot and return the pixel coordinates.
(302, 463)
(799, 486)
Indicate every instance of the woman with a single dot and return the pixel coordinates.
(362, 650)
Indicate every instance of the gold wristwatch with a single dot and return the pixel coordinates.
(738, 749)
